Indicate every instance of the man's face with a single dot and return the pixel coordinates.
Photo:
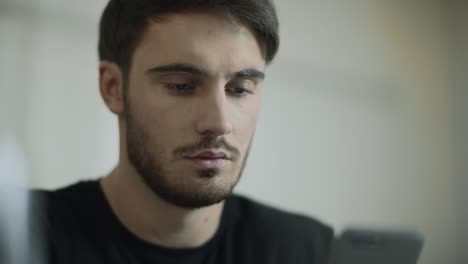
(192, 101)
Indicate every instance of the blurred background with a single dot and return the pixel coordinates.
(363, 122)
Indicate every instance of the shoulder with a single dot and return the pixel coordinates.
(295, 237)
(68, 195)
(64, 206)
(281, 221)
(65, 198)
(64, 217)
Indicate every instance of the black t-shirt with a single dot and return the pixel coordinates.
(80, 227)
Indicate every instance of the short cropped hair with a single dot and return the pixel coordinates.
(124, 22)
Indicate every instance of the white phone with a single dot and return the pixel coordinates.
(370, 246)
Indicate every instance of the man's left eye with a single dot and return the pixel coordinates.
(180, 88)
(238, 91)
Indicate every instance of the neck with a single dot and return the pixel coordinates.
(154, 220)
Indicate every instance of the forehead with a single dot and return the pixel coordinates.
(208, 39)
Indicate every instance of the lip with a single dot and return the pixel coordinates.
(209, 155)
(209, 160)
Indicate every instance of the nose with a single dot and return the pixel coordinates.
(214, 117)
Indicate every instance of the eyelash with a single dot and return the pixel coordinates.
(173, 87)
(243, 90)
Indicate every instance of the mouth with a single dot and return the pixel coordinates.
(209, 155)
(209, 160)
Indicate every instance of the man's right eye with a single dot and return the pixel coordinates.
(180, 88)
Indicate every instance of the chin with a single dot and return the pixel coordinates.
(203, 189)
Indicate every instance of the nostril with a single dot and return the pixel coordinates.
(214, 127)
(215, 132)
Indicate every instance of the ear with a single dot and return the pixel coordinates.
(111, 85)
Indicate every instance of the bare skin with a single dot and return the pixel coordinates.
(172, 107)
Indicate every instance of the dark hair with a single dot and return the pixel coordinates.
(123, 23)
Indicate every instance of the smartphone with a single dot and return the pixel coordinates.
(370, 246)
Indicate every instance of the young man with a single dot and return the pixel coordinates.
(184, 79)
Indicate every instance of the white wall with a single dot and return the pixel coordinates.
(52, 78)
(356, 125)
(360, 95)
(459, 69)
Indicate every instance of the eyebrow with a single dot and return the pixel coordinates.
(194, 70)
(250, 73)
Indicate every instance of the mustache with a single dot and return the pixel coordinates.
(208, 143)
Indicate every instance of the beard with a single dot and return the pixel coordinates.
(148, 158)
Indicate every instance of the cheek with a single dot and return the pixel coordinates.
(157, 123)
(245, 120)
(171, 123)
